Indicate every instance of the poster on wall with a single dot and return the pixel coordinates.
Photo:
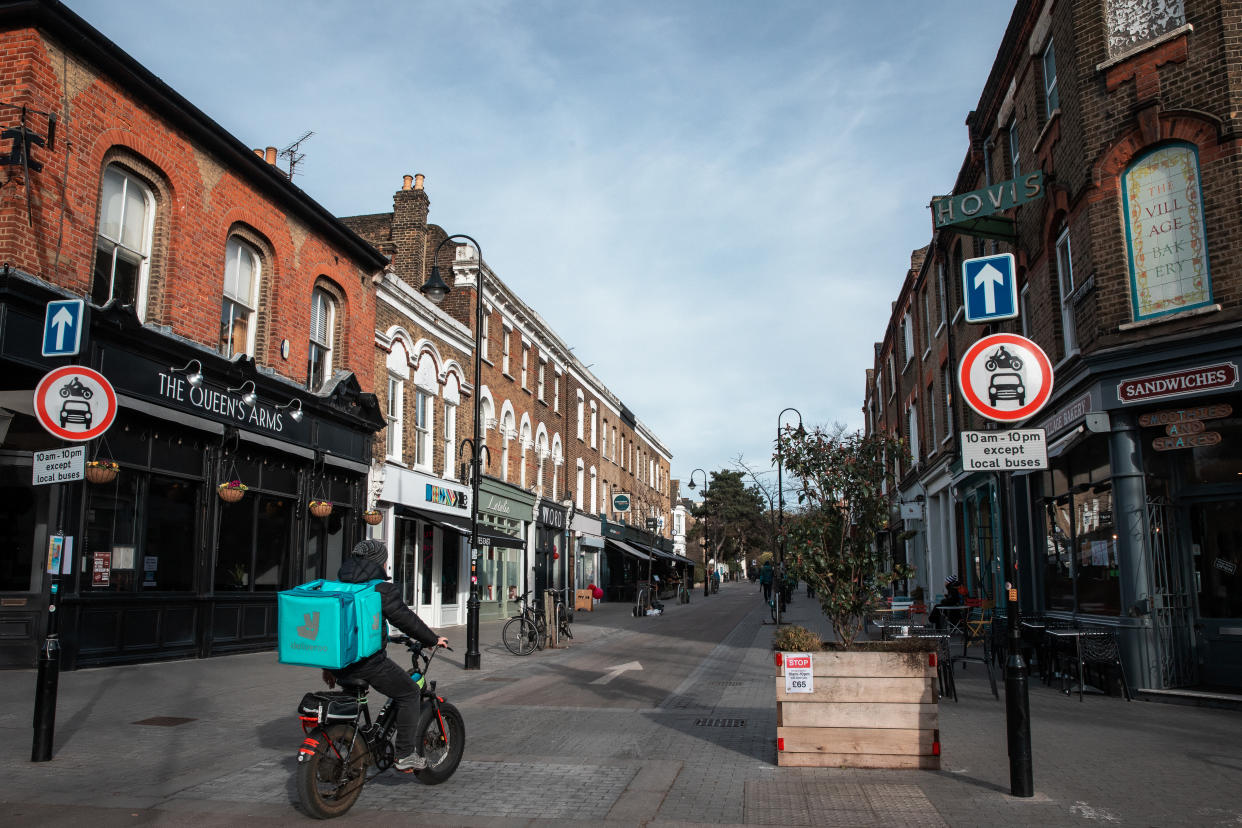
(1165, 235)
(101, 572)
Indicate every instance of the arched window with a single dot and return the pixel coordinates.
(594, 425)
(506, 435)
(557, 459)
(322, 334)
(541, 454)
(524, 445)
(594, 492)
(123, 242)
(581, 482)
(242, 272)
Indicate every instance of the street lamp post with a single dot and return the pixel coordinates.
(780, 504)
(706, 574)
(436, 289)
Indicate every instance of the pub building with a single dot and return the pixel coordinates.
(1143, 486)
(229, 311)
(161, 566)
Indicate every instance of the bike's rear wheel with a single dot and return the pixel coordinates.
(562, 621)
(330, 780)
(442, 737)
(519, 635)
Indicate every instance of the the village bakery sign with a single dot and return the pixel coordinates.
(1200, 380)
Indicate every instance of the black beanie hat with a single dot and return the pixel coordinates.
(371, 550)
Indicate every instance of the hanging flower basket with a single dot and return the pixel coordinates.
(232, 491)
(372, 517)
(101, 471)
(320, 508)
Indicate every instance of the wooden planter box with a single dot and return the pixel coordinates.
(868, 710)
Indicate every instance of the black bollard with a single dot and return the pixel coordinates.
(46, 685)
(1017, 709)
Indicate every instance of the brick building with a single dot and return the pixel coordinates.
(232, 315)
(1118, 121)
(558, 443)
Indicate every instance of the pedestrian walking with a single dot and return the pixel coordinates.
(765, 580)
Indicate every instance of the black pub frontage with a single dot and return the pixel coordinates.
(162, 565)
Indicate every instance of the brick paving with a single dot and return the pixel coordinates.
(705, 754)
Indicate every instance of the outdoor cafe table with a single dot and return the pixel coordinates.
(1064, 636)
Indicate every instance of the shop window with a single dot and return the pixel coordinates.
(255, 535)
(241, 297)
(1165, 233)
(140, 532)
(17, 516)
(427, 560)
(450, 576)
(1216, 536)
(323, 326)
(123, 242)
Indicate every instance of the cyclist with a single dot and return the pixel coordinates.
(367, 562)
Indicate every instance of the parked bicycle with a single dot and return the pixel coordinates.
(344, 749)
(561, 613)
(525, 632)
(683, 593)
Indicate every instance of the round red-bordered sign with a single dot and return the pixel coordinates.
(75, 403)
(1005, 377)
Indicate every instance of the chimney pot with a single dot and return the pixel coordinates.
(418, 181)
(405, 182)
(271, 155)
(258, 152)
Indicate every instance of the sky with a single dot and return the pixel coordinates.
(714, 202)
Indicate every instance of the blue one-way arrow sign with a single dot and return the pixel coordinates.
(990, 286)
(62, 327)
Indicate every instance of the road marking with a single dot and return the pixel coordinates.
(616, 671)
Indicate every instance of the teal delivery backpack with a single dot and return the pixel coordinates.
(329, 624)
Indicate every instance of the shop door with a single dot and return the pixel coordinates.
(1216, 550)
(429, 577)
(22, 603)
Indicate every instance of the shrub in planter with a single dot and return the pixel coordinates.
(791, 638)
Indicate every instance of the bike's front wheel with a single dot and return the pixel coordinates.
(442, 737)
(330, 776)
(519, 636)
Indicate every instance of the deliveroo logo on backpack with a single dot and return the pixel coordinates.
(310, 626)
(375, 621)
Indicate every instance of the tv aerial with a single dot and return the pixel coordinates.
(291, 152)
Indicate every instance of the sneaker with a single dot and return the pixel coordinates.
(409, 763)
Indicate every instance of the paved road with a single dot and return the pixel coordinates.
(565, 737)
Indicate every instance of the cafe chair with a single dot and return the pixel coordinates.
(1100, 657)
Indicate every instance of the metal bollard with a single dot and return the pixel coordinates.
(1018, 710)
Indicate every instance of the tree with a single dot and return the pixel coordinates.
(736, 524)
(831, 543)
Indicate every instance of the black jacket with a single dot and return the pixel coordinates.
(359, 571)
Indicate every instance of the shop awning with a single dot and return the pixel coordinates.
(629, 550)
(453, 523)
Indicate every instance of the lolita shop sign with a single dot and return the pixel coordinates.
(1165, 233)
(949, 210)
(221, 405)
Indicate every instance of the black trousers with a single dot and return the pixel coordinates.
(386, 676)
(767, 591)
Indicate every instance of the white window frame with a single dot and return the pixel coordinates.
(450, 440)
(556, 391)
(234, 249)
(525, 364)
(1048, 60)
(581, 482)
(1015, 149)
(485, 335)
(114, 248)
(594, 491)
(423, 427)
(506, 436)
(912, 422)
(581, 414)
(539, 380)
(505, 336)
(396, 408)
(524, 444)
(322, 333)
(927, 332)
(907, 336)
(1024, 304)
(1065, 279)
(594, 425)
(947, 388)
(944, 296)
